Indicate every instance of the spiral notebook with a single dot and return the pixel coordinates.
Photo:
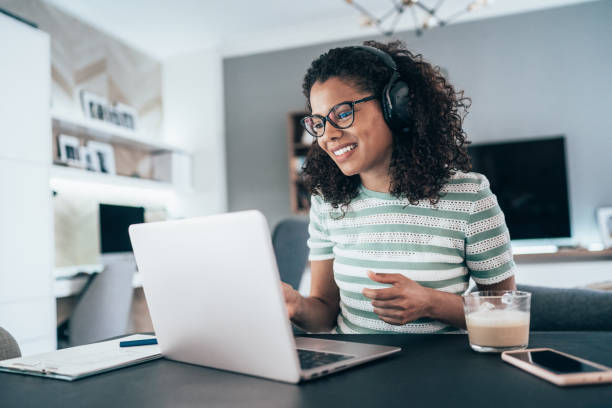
(82, 361)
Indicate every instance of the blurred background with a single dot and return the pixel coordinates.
(115, 113)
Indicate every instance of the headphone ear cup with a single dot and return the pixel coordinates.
(398, 94)
(387, 106)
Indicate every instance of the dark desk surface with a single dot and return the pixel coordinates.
(431, 370)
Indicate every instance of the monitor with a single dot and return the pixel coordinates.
(529, 178)
(114, 223)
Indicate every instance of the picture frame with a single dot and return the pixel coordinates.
(88, 159)
(94, 106)
(69, 151)
(604, 220)
(97, 107)
(104, 156)
(126, 115)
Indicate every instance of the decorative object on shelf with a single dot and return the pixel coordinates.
(88, 159)
(298, 164)
(604, 219)
(104, 154)
(307, 138)
(299, 142)
(94, 106)
(97, 107)
(126, 115)
(69, 150)
(398, 7)
(144, 167)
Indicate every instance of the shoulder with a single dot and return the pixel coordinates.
(319, 205)
(462, 182)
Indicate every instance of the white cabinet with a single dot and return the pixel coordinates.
(27, 305)
(566, 268)
(25, 84)
(31, 322)
(564, 274)
(26, 234)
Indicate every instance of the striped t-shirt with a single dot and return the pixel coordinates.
(439, 246)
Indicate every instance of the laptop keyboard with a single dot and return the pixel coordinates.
(311, 359)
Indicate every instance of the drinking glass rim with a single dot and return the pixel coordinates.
(493, 294)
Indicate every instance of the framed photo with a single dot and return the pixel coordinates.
(104, 155)
(94, 106)
(69, 150)
(113, 117)
(604, 219)
(126, 115)
(88, 159)
(97, 107)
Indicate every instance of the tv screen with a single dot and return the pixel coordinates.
(114, 223)
(529, 179)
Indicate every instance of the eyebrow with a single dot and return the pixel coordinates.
(354, 102)
(333, 106)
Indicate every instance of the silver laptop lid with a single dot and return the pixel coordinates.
(188, 268)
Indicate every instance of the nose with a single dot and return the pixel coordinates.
(331, 133)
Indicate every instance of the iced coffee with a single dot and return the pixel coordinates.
(497, 320)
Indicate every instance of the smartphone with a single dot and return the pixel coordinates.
(557, 367)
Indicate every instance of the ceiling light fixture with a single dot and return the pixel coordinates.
(388, 21)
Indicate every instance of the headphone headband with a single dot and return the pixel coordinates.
(395, 98)
(386, 58)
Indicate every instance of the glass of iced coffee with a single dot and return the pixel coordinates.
(497, 320)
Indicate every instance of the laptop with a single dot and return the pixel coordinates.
(215, 299)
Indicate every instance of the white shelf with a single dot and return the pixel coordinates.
(109, 132)
(90, 177)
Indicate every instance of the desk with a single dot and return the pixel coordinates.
(431, 370)
(71, 280)
(67, 287)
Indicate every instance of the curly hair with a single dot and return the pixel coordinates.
(424, 155)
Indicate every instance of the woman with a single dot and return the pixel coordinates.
(398, 224)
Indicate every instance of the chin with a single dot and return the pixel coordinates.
(347, 171)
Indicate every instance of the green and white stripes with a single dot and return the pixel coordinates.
(439, 246)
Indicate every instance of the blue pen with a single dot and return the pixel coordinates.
(131, 343)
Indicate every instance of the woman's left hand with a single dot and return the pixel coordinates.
(402, 303)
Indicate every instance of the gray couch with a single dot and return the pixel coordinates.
(569, 309)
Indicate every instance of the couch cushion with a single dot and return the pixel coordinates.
(569, 309)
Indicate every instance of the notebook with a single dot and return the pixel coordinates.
(82, 361)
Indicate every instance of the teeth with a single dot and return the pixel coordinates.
(344, 150)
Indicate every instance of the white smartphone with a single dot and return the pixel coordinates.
(557, 367)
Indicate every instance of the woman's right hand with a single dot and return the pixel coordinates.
(293, 300)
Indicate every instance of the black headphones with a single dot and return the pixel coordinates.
(395, 98)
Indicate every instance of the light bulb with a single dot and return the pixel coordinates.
(475, 5)
(366, 21)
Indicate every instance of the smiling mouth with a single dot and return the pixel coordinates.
(340, 152)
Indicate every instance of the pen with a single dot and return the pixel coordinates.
(131, 343)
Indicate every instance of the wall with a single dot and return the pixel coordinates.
(193, 120)
(83, 57)
(529, 75)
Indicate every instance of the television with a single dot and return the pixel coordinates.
(529, 178)
(114, 223)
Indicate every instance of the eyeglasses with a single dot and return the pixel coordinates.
(340, 116)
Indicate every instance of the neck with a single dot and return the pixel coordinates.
(376, 182)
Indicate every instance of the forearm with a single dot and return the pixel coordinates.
(315, 315)
(446, 307)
